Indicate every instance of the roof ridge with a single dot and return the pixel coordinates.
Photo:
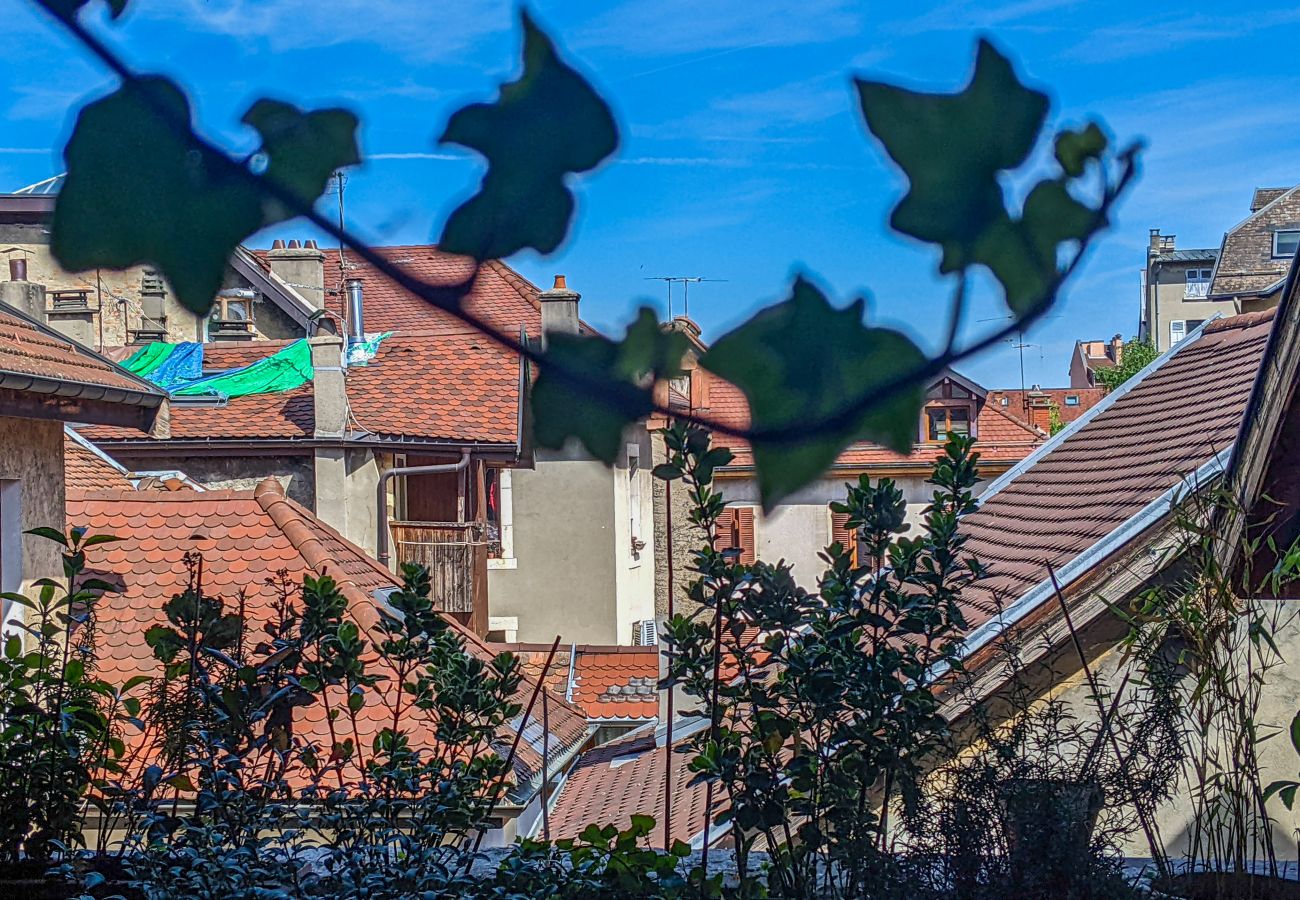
(182, 495)
(1241, 320)
(1257, 213)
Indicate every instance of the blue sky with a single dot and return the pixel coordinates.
(743, 157)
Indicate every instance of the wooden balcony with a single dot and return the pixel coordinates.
(456, 554)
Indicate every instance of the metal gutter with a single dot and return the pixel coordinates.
(1106, 402)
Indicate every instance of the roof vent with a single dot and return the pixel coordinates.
(647, 633)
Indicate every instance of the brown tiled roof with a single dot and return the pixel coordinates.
(246, 538)
(1246, 264)
(86, 470)
(610, 784)
(1002, 437)
(606, 683)
(453, 385)
(27, 350)
(1147, 441)
(1088, 398)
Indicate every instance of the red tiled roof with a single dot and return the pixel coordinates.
(246, 538)
(86, 470)
(610, 784)
(1002, 437)
(27, 350)
(1149, 440)
(1087, 399)
(454, 385)
(606, 683)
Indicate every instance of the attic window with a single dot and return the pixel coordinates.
(944, 421)
(1071, 399)
(1285, 243)
(1005, 401)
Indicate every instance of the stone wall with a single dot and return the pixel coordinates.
(31, 496)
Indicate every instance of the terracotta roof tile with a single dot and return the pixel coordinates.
(247, 538)
(86, 470)
(1147, 441)
(605, 683)
(27, 350)
(1087, 398)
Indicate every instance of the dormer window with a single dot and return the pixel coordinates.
(944, 421)
(231, 317)
(1285, 243)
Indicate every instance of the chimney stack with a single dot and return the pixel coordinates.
(559, 310)
(22, 294)
(1117, 349)
(302, 267)
(329, 389)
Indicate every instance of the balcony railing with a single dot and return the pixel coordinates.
(1196, 290)
(455, 553)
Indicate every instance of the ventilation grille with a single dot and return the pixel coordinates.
(647, 633)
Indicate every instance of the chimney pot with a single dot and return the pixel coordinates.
(559, 309)
(277, 244)
(18, 268)
(295, 245)
(310, 245)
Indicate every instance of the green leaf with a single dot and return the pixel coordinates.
(303, 149)
(563, 409)
(1022, 253)
(52, 534)
(1295, 732)
(69, 8)
(137, 191)
(768, 359)
(1075, 148)
(952, 148)
(141, 189)
(542, 127)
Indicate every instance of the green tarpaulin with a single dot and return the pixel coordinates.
(148, 358)
(284, 371)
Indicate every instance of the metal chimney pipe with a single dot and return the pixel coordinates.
(18, 268)
(356, 310)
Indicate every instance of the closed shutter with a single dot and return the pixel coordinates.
(736, 532)
(840, 531)
(745, 535)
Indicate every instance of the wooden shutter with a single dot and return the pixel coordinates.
(736, 532)
(745, 535)
(841, 532)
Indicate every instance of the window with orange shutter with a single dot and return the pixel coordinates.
(848, 538)
(736, 532)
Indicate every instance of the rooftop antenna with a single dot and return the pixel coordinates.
(1019, 344)
(342, 181)
(685, 281)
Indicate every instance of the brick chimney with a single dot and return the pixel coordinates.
(21, 294)
(559, 309)
(1117, 349)
(301, 265)
(1038, 408)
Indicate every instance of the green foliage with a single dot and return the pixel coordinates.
(139, 189)
(1135, 356)
(544, 126)
(59, 722)
(602, 862)
(769, 358)
(1055, 423)
(955, 148)
(831, 706)
(563, 409)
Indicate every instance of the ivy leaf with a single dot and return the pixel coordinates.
(789, 385)
(952, 148)
(69, 8)
(1022, 253)
(303, 149)
(542, 127)
(628, 369)
(1075, 148)
(137, 191)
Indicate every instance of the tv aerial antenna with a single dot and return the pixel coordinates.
(685, 281)
(1019, 344)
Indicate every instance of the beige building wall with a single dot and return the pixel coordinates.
(1172, 303)
(31, 496)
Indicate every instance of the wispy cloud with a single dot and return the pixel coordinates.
(416, 154)
(759, 117)
(963, 16)
(25, 151)
(675, 27)
(419, 30)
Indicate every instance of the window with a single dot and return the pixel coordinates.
(230, 316)
(634, 501)
(942, 421)
(1197, 275)
(849, 540)
(501, 515)
(1071, 399)
(1177, 331)
(736, 533)
(1005, 401)
(1285, 243)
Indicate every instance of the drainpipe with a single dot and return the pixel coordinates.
(381, 496)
